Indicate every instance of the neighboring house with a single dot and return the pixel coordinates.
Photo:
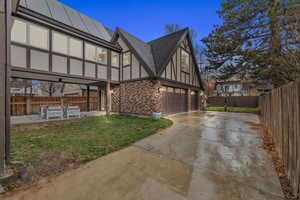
(231, 87)
(238, 87)
(53, 42)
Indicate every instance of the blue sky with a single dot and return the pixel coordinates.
(146, 18)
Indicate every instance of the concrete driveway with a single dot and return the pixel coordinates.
(203, 156)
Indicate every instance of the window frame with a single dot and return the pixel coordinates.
(184, 69)
(129, 58)
(118, 56)
(98, 60)
(29, 35)
(26, 32)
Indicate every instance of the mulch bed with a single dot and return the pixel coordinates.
(269, 145)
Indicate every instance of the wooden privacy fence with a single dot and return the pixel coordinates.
(240, 101)
(280, 111)
(27, 105)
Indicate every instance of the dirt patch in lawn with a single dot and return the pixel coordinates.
(47, 164)
(269, 146)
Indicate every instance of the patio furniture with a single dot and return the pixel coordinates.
(72, 111)
(54, 112)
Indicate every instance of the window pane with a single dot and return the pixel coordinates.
(90, 52)
(76, 67)
(59, 64)
(75, 48)
(39, 36)
(114, 74)
(102, 55)
(126, 59)
(39, 60)
(18, 56)
(102, 72)
(90, 70)
(59, 43)
(114, 59)
(185, 61)
(18, 31)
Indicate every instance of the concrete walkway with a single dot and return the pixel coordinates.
(204, 156)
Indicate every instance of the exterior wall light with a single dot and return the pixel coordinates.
(162, 89)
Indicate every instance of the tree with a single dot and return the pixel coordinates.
(252, 41)
(50, 88)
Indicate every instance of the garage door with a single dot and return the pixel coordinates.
(174, 101)
(194, 100)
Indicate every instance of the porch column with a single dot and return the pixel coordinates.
(88, 98)
(108, 98)
(5, 15)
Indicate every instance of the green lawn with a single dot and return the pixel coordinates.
(84, 140)
(235, 109)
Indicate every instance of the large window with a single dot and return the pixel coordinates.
(59, 64)
(76, 67)
(90, 70)
(39, 60)
(59, 43)
(19, 31)
(101, 55)
(90, 52)
(185, 61)
(115, 59)
(18, 56)
(75, 47)
(38, 36)
(66, 45)
(126, 58)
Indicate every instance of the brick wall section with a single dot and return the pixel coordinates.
(115, 99)
(138, 97)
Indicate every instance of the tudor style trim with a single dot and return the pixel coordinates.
(132, 49)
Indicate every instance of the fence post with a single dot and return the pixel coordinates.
(28, 105)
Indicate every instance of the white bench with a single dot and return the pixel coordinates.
(72, 111)
(54, 112)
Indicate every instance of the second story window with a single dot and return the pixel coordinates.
(115, 59)
(19, 31)
(126, 59)
(38, 36)
(102, 55)
(185, 61)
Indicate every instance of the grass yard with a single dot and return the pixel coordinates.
(43, 150)
(84, 140)
(235, 109)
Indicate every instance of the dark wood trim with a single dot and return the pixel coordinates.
(147, 69)
(178, 85)
(18, 72)
(140, 70)
(138, 79)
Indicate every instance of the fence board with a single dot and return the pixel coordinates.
(26, 105)
(280, 112)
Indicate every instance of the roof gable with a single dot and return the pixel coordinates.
(141, 49)
(164, 47)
